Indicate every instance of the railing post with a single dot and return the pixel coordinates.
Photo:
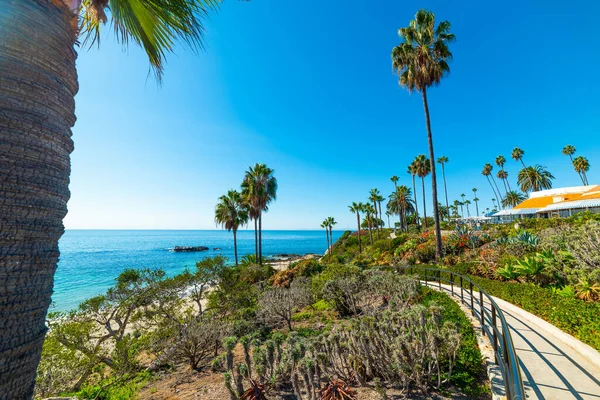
(481, 306)
(471, 290)
(495, 337)
(440, 280)
(461, 289)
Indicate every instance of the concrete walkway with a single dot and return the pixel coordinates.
(554, 364)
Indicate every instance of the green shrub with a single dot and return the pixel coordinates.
(384, 244)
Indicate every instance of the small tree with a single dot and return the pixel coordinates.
(277, 305)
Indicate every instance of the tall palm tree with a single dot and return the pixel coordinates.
(330, 223)
(442, 161)
(231, 213)
(423, 168)
(517, 155)
(533, 179)
(39, 84)
(412, 170)
(325, 225)
(495, 206)
(569, 150)
(259, 187)
(395, 180)
(475, 199)
(487, 171)
(421, 61)
(387, 213)
(374, 196)
(582, 166)
(357, 209)
(513, 199)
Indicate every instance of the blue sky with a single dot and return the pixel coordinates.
(307, 88)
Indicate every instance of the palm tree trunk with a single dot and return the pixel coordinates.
(424, 204)
(578, 173)
(445, 190)
(492, 186)
(358, 223)
(381, 215)
(37, 110)
(369, 226)
(376, 226)
(260, 238)
(497, 188)
(256, 238)
(416, 202)
(235, 246)
(436, 215)
(477, 208)
(330, 240)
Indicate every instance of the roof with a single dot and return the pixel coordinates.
(515, 211)
(570, 205)
(549, 197)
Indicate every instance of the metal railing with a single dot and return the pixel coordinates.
(504, 349)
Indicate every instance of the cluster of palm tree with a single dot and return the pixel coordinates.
(235, 209)
(580, 163)
(372, 220)
(328, 224)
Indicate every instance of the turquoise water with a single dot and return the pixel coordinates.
(90, 260)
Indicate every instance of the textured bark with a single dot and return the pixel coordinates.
(446, 190)
(424, 203)
(38, 82)
(436, 214)
(358, 223)
(416, 202)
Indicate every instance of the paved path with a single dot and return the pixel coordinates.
(554, 365)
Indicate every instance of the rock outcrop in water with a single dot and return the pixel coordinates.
(189, 249)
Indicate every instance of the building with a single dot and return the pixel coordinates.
(559, 202)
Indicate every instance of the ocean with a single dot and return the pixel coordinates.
(90, 260)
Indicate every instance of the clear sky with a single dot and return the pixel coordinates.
(307, 88)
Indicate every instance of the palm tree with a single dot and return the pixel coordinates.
(500, 161)
(231, 213)
(475, 199)
(582, 166)
(503, 176)
(412, 170)
(456, 205)
(330, 223)
(401, 203)
(495, 206)
(356, 208)
(443, 160)
(369, 210)
(569, 150)
(325, 225)
(487, 171)
(423, 168)
(259, 187)
(387, 213)
(421, 61)
(37, 49)
(467, 202)
(375, 196)
(513, 199)
(395, 179)
(517, 155)
(534, 179)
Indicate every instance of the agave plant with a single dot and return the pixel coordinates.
(587, 291)
(531, 267)
(256, 391)
(526, 237)
(565, 291)
(337, 389)
(508, 272)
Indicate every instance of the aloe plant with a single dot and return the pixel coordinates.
(587, 290)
